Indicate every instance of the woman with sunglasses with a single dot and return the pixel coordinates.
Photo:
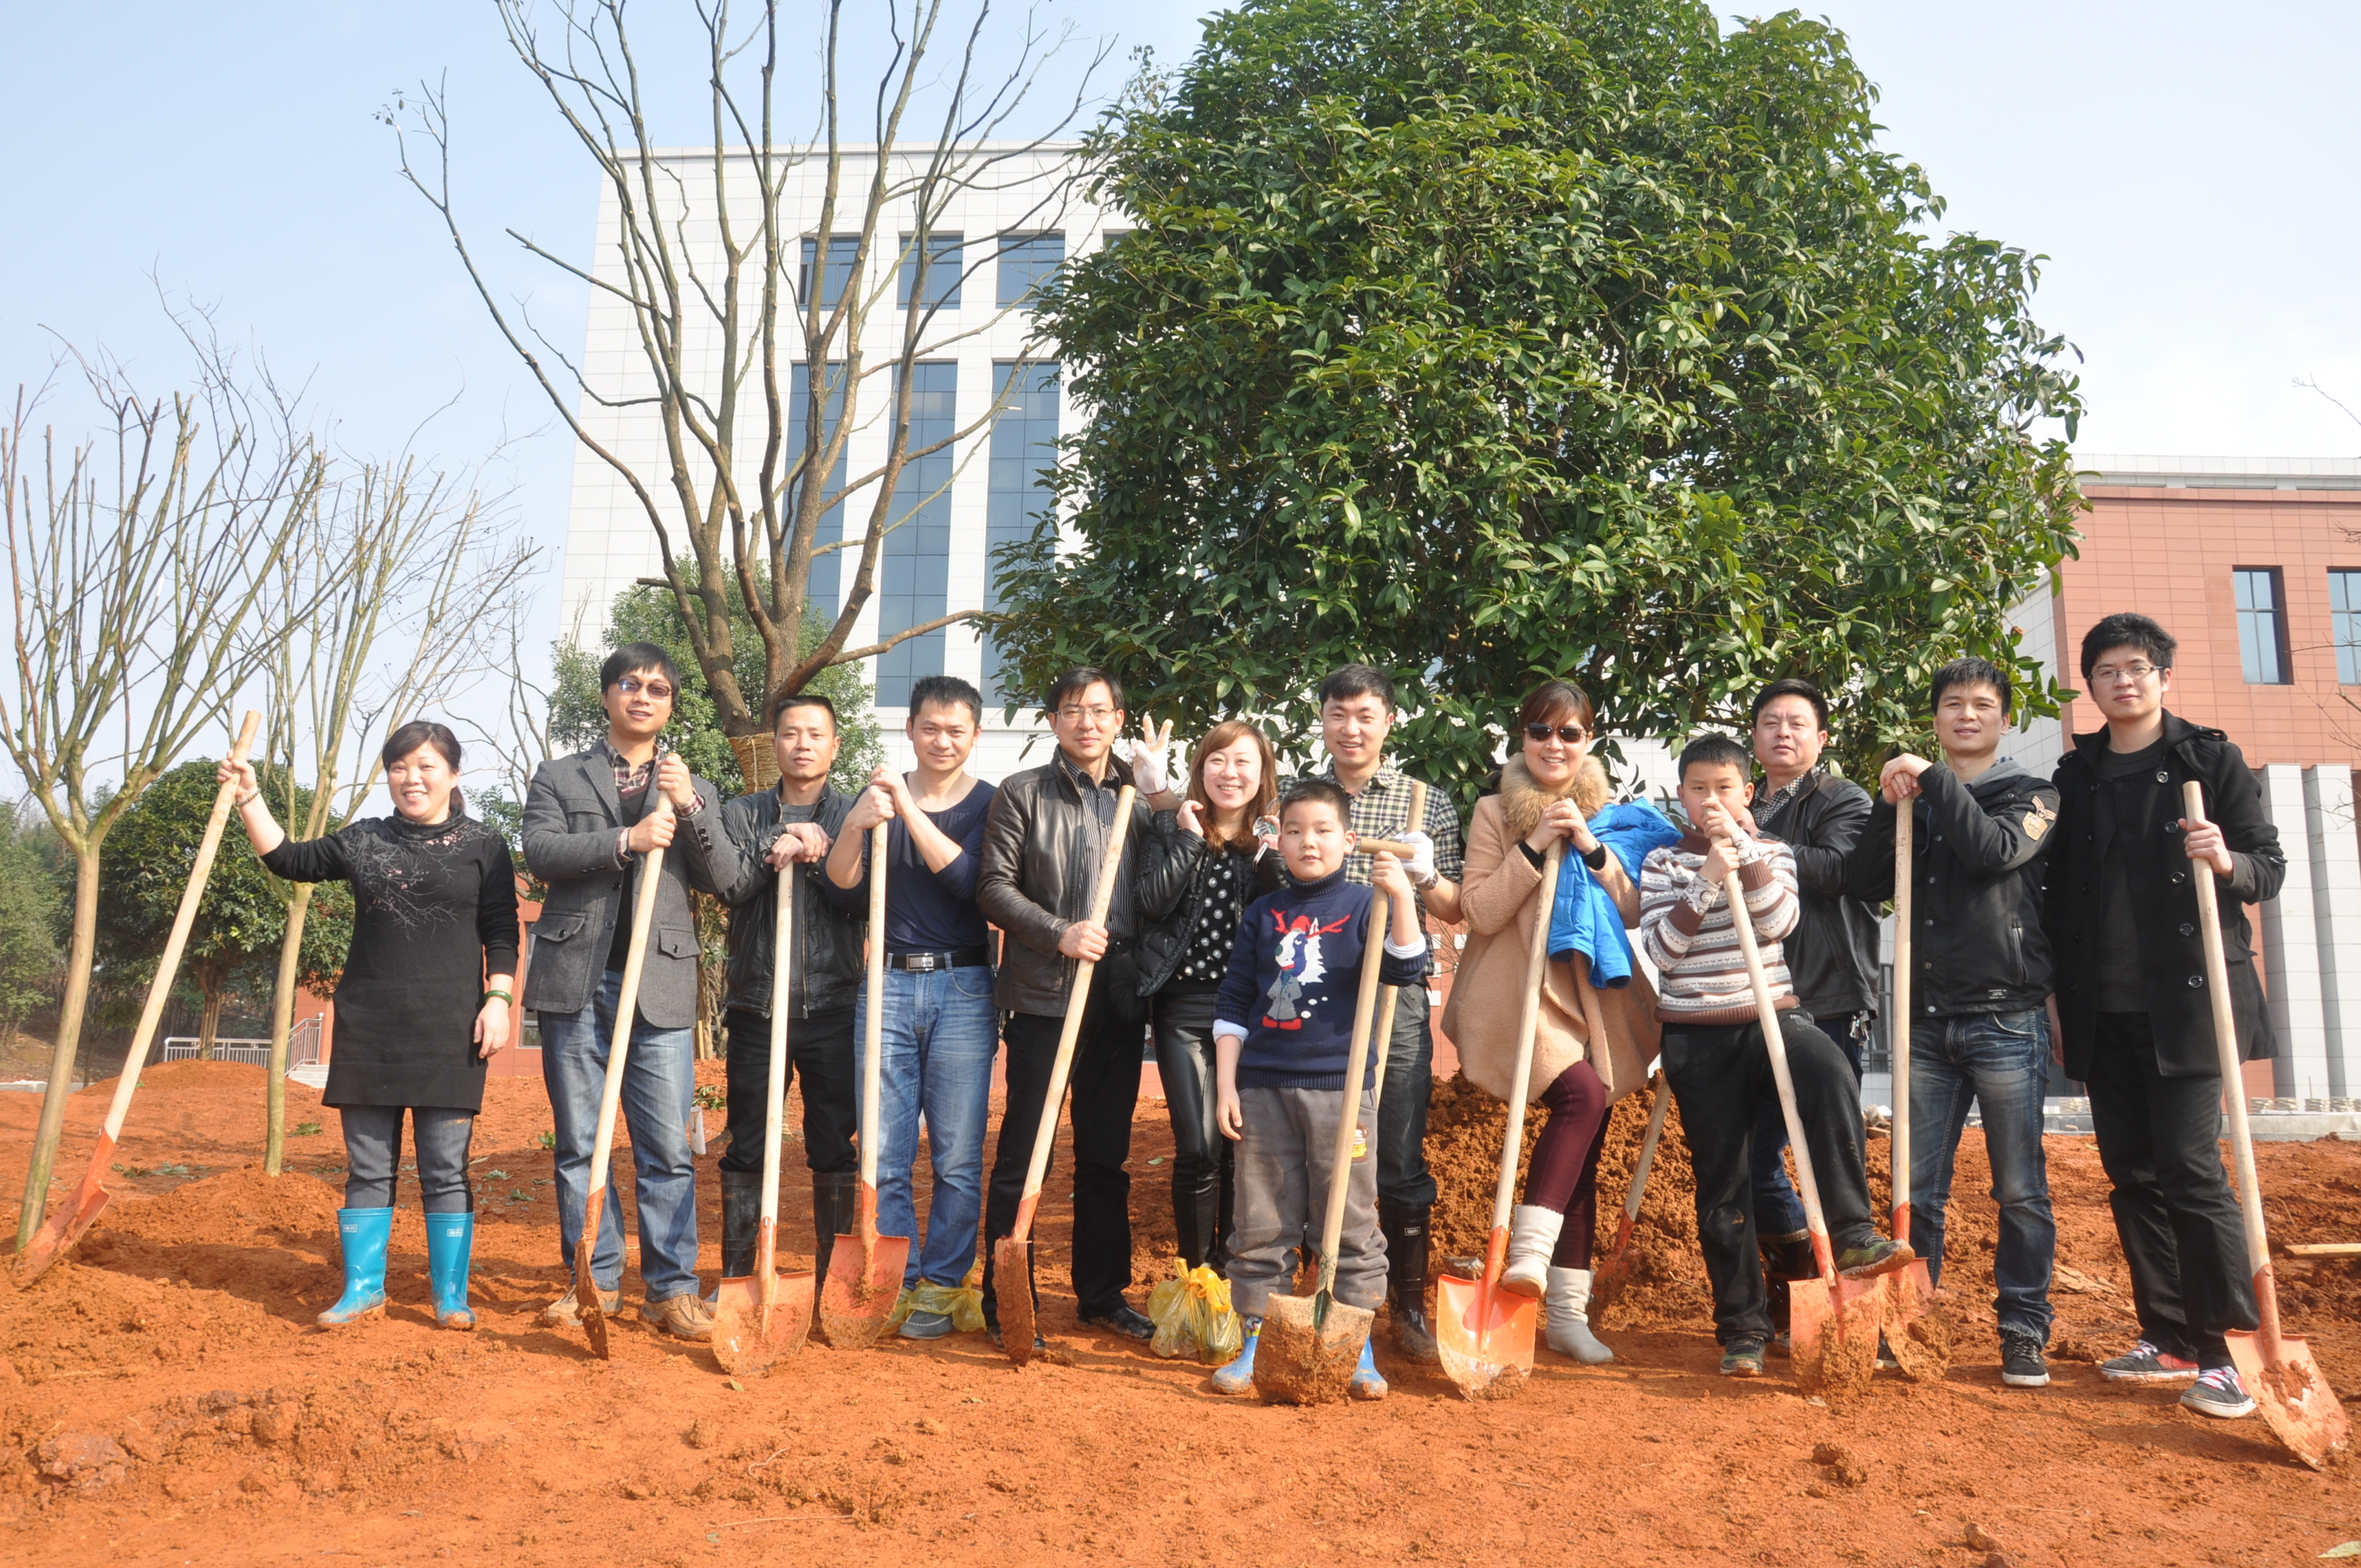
(1201, 867)
(1592, 1046)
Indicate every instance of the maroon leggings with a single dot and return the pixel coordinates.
(1565, 1171)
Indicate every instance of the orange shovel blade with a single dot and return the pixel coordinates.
(1832, 1332)
(1486, 1337)
(864, 1279)
(1011, 1292)
(1917, 1329)
(750, 1333)
(66, 1226)
(2296, 1401)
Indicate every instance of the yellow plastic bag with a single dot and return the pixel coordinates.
(961, 1303)
(1192, 1316)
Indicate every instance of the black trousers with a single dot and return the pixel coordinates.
(2175, 1214)
(1202, 1167)
(820, 1050)
(1719, 1075)
(1104, 1088)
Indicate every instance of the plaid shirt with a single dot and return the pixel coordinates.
(1382, 811)
(629, 782)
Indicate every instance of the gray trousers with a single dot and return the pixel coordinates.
(373, 1153)
(1283, 1161)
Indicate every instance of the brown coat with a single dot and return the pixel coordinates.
(1500, 897)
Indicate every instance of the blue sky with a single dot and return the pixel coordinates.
(2187, 169)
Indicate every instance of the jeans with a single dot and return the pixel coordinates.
(1999, 1061)
(1104, 1085)
(939, 1033)
(1403, 1180)
(1203, 1166)
(1284, 1161)
(821, 1050)
(1778, 1211)
(373, 1148)
(659, 1079)
(2175, 1214)
(1720, 1074)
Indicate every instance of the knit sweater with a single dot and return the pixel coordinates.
(1295, 970)
(1685, 929)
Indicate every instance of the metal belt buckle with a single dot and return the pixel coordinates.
(919, 963)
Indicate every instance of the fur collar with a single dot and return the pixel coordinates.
(1525, 800)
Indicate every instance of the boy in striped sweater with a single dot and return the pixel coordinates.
(1714, 1055)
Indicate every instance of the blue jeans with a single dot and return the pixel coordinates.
(659, 1078)
(1778, 1211)
(2001, 1063)
(940, 1036)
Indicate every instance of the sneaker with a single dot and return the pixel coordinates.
(567, 1314)
(1040, 1344)
(2022, 1364)
(2218, 1393)
(1880, 1256)
(685, 1316)
(1125, 1320)
(926, 1325)
(2146, 1364)
(1885, 1362)
(1742, 1358)
(1783, 1345)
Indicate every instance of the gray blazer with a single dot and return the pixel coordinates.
(572, 816)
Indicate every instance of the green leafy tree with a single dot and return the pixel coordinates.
(1486, 340)
(34, 877)
(240, 923)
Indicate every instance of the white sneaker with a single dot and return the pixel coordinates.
(1532, 1236)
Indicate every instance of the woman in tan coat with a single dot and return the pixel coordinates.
(1593, 1046)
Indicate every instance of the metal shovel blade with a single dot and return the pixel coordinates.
(864, 1279)
(1310, 1346)
(66, 1225)
(1486, 1337)
(1832, 1332)
(1011, 1292)
(2296, 1401)
(750, 1333)
(1917, 1328)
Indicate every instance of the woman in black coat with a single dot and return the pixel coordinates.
(435, 915)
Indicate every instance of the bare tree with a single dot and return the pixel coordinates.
(405, 562)
(738, 485)
(136, 596)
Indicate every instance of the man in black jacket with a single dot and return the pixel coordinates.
(1979, 1032)
(2132, 1008)
(1043, 841)
(782, 835)
(1832, 953)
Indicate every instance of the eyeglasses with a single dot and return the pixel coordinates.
(1095, 715)
(1572, 734)
(632, 685)
(2108, 674)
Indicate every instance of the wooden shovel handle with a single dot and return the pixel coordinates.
(1647, 1150)
(1897, 1027)
(775, 1103)
(627, 1002)
(1387, 994)
(874, 1027)
(2233, 1086)
(1357, 1060)
(1766, 1010)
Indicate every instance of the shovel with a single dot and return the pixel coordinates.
(1387, 994)
(1832, 1324)
(1615, 1271)
(1012, 1255)
(66, 1225)
(1311, 1345)
(2297, 1402)
(865, 1269)
(763, 1316)
(1916, 1331)
(1485, 1334)
(610, 1097)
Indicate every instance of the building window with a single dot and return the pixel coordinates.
(823, 591)
(1023, 447)
(944, 266)
(915, 577)
(2345, 625)
(842, 251)
(2262, 625)
(1026, 262)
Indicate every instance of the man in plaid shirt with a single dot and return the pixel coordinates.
(1357, 713)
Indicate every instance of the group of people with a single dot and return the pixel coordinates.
(2058, 910)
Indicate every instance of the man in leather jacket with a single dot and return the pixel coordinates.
(1044, 838)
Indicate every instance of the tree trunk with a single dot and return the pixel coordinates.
(213, 984)
(52, 1125)
(283, 1023)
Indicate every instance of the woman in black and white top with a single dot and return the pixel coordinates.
(426, 997)
(1201, 867)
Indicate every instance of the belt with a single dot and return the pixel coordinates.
(927, 963)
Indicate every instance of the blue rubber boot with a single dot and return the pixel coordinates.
(450, 1242)
(364, 1233)
(1369, 1383)
(1237, 1377)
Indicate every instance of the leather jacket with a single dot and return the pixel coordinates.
(1832, 953)
(1172, 865)
(828, 961)
(1037, 876)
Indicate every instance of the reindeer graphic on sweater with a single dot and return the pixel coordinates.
(1300, 965)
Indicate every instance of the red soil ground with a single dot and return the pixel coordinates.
(165, 1400)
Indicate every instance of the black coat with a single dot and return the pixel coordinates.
(2164, 899)
(1172, 863)
(1977, 944)
(830, 961)
(1041, 852)
(1832, 953)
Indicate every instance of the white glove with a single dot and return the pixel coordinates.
(1148, 768)
(1419, 867)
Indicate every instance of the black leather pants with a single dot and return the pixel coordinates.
(1184, 1019)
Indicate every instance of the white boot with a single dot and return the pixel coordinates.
(1567, 1308)
(1532, 1236)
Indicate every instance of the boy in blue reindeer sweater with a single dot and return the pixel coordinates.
(1283, 1032)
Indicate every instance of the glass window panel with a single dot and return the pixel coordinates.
(824, 591)
(841, 250)
(2344, 624)
(1024, 445)
(2262, 639)
(1026, 262)
(914, 565)
(944, 264)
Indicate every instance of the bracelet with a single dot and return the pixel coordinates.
(248, 801)
(503, 995)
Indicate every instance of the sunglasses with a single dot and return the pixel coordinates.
(632, 685)
(1572, 734)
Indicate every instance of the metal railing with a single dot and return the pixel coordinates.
(302, 1047)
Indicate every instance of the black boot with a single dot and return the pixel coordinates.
(742, 1214)
(835, 1198)
(1405, 1234)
